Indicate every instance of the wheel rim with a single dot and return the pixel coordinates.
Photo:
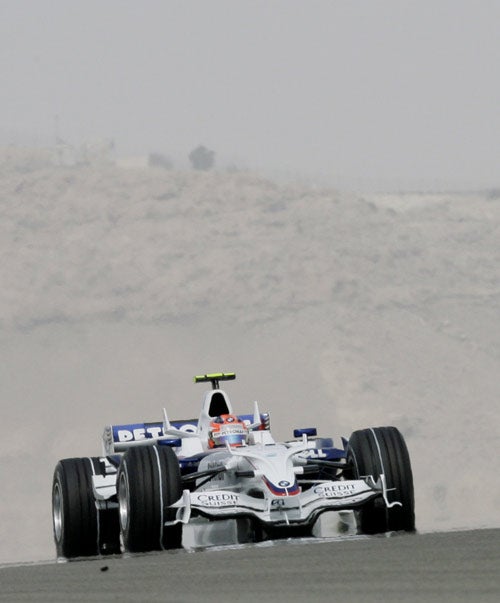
(123, 501)
(57, 512)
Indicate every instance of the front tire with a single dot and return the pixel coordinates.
(148, 482)
(74, 513)
(383, 450)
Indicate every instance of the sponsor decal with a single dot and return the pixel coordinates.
(219, 499)
(337, 490)
(313, 453)
(140, 433)
(231, 430)
(289, 490)
(134, 433)
(187, 428)
(215, 464)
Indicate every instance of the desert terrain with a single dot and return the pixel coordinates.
(336, 310)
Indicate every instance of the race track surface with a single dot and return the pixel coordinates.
(438, 567)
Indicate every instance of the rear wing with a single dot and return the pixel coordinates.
(118, 438)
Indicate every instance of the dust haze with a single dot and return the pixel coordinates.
(359, 94)
(342, 256)
(335, 310)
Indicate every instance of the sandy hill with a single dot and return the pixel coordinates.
(334, 310)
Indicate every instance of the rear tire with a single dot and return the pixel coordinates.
(383, 450)
(74, 513)
(148, 482)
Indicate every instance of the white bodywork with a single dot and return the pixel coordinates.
(258, 480)
(229, 495)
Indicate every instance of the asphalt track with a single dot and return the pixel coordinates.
(437, 567)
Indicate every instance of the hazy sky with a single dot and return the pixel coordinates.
(382, 93)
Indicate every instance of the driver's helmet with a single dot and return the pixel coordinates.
(227, 429)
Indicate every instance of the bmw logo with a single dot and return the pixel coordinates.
(284, 484)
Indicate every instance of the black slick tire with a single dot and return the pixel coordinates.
(375, 451)
(148, 482)
(74, 512)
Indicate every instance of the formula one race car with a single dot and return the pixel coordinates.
(155, 478)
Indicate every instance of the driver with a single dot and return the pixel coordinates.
(227, 429)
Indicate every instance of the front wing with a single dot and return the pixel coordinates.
(299, 509)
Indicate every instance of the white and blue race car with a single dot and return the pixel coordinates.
(155, 478)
